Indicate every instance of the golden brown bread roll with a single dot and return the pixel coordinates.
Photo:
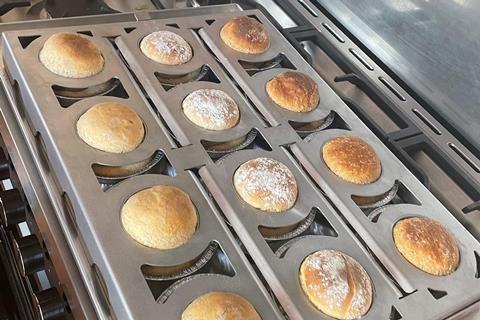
(294, 91)
(71, 55)
(427, 245)
(266, 184)
(160, 217)
(166, 47)
(336, 284)
(111, 127)
(211, 109)
(352, 159)
(246, 35)
(220, 305)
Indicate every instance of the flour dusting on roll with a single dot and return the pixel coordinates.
(211, 109)
(266, 184)
(166, 47)
(336, 284)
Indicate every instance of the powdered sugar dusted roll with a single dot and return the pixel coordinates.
(211, 109)
(336, 284)
(166, 47)
(266, 184)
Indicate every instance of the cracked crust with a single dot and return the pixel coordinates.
(336, 284)
(427, 245)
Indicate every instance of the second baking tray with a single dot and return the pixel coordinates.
(357, 203)
(316, 227)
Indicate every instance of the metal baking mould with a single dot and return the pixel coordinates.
(94, 214)
(394, 175)
(201, 72)
(242, 65)
(278, 242)
(375, 227)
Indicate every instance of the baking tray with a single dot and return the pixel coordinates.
(94, 213)
(279, 265)
(375, 226)
(460, 286)
(168, 99)
(253, 81)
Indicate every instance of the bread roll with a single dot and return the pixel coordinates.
(220, 305)
(294, 91)
(166, 47)
(352, 159)
(246, 35)
(211, 109)
(160, 217)
(336, 284)
(71, 55)
(266, 184)
(111, 127)
(427, 245)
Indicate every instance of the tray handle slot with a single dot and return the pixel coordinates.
(394, 314)
(308, 8)
(25, 41)
(101, 289)
(173, 25)
(464, 157)
(437, 294)
(477, 261)
(69, 214)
